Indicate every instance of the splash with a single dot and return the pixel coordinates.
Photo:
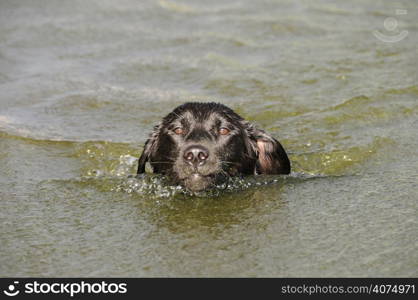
(158, 186)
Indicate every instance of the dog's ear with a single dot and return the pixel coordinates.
(271, 156)
(149, 147)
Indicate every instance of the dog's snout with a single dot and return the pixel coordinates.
(196, 155)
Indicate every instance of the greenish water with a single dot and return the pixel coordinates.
(83, 82)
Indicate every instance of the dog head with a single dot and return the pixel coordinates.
(201, 144)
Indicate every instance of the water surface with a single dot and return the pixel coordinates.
(83, 82)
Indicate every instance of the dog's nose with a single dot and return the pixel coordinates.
(196, 155)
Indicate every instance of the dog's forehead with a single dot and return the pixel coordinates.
(202, 113)
(202, 116)
(199, 117)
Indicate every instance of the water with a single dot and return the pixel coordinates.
(82, 84)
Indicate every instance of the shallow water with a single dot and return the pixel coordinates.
(82, 83)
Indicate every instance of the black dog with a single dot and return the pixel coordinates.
(201, 144)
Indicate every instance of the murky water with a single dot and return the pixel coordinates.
(83, 82)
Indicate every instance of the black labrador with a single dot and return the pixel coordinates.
(199, 145)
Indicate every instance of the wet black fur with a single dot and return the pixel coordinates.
(245, 150)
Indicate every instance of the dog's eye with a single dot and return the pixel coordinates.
(178, 130)
(224, 131)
